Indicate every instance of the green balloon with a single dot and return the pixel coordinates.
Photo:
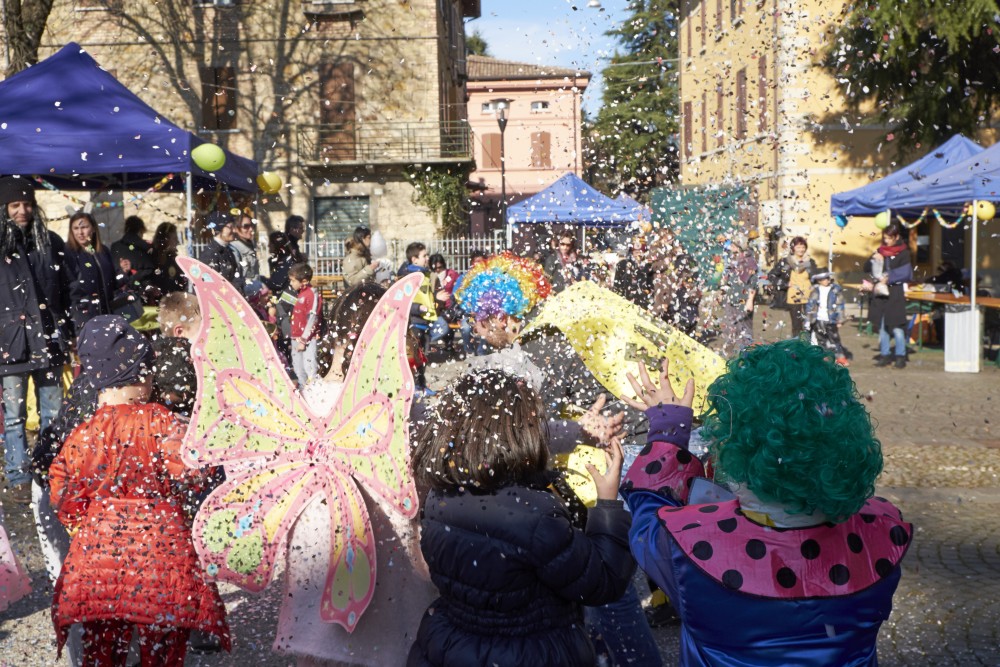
(209, 157)
(882, 220)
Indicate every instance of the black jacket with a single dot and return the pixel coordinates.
(892, 308)
(223, 259)
(137, 251)
(92, 285)
(514, 575)
(34, 324)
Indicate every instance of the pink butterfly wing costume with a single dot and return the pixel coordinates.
(279, 456)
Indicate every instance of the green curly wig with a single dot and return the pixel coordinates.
(786, 421)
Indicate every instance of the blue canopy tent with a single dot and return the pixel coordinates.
(571, 201)
(871, 199)
(946, 194)
(72, 123)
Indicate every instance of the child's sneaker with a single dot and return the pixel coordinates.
(842, 361)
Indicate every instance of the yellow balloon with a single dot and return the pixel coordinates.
(646, 226)
(985, 210)
(269, 182)
(209, 157)
(882, 220)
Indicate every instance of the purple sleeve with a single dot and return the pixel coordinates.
(670, 423)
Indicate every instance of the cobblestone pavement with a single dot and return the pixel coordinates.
(942, 456)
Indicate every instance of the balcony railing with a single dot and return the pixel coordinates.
(384, 143)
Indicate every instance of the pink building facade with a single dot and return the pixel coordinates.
(542, 139)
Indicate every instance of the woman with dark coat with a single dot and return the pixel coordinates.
(512, 570)
(888, 312)
(92, 271)
(168, 276)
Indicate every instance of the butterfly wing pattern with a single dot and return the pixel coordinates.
(278, 456)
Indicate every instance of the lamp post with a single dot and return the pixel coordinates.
(501, 106)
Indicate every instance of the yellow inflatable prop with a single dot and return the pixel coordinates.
(577, 477)
(611, 333)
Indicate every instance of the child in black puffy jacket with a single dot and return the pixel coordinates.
(512, 570)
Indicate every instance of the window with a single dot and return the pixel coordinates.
(491, 151)
(336, 115)
(741, 104)
(218, 98)
(718, 17)
(687, 26)
(336, 217)
(735, 10)
(688, 145)
(720, 109)
(493, 106)
(762, 94)
(704, 23)
(704, 122)
(489, 107)
(539, 106)
(541, 150)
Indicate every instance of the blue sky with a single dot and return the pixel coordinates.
(552, 32)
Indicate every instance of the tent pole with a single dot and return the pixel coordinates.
(972, 270)
(189, 192)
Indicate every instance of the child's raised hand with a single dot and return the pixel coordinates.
(648, 394)
(601, 427)
(608, 483)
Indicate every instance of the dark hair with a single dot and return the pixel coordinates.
(413, 250)
(894, 229)
(356, 242)
(798, 240)
(347, 319)
(477, 254)
(134, 225)
(301, 271)
(437, 258)
(294, 221)
(71, 242)
(165, 231)
(488, 431)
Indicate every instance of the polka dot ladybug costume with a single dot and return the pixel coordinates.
(757, 581)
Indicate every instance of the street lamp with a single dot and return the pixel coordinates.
(501, 108)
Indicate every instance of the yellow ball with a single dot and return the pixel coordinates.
(209, 157)
(985, 210)
(269, 182)
(882, 220)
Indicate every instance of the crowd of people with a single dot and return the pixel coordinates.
(772, 522)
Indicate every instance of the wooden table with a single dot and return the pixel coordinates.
(958, 333)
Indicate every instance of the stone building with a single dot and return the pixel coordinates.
(342, 98)
(542, 139)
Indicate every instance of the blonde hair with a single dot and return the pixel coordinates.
(177, 309)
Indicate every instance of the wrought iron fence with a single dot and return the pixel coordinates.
(326, 257)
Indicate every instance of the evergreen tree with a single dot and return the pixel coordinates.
(475, 44)
(632, 143)
(931, 68)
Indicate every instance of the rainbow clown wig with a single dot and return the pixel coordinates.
(786, 422)
(503, 284)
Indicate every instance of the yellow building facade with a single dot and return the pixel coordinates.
(758, 110)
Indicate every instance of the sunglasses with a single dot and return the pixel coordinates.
(565, 245)
(250, 226)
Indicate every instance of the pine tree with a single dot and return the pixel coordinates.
(632, 143)
(475, 44)
(930, 68)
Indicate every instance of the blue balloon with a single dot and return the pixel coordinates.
(841, 220)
